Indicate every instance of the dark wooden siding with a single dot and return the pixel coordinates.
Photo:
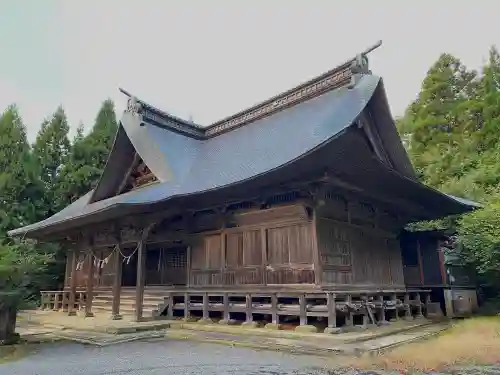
(269, 246)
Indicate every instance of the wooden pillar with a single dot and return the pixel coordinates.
(205, 306)
(303, 310)
(349, 319)
(427, 302)
(274, 309)
(226, 315)
(332, 311)
(72, 287)
(419, 306)
(248, 308)
(186, 306)
(365, 313)
(117, 284)
(396, 312)
(89, 293)
(141, 274)
(407, 307)
(65, 301)
(170, 306)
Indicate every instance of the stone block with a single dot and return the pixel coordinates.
(306, 329)
(272, 326)
(251, 324)
(332, 330)
(205, 321)
(230, 322)
(190, 319)
(85, 314)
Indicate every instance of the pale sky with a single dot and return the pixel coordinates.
(209, 59)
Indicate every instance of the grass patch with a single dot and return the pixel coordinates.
(474, 341)
(10, 353)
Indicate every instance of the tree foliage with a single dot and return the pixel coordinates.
(452, 131)
(89, 155)
(35, 183)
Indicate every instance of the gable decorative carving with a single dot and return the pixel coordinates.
(346, 75)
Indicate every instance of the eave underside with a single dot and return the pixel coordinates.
(346, 162)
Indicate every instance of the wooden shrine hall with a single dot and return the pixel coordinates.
(289, 211)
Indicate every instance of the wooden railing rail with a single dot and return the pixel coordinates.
(58, 300)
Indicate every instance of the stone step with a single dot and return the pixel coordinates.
(126, 298)
(128, 301)
(125, 305)
(131, 295)
(147, 312)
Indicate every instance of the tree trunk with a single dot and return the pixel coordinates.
(8, 325)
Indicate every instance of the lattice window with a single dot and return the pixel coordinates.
(175, 258)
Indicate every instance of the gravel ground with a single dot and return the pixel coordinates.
(160, 357)
(172, 357)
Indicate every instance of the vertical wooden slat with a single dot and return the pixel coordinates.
(263, 239)
(318, 269)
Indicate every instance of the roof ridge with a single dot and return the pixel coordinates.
(346, 74)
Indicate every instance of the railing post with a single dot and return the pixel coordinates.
(226, 316)
(274, 309)
(186, 306)
(332, 311)
(205, 313)
(248, 308)
(407, 306)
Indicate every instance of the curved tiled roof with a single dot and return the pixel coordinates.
(187, 166)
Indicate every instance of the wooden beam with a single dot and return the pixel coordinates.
(129, 171)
